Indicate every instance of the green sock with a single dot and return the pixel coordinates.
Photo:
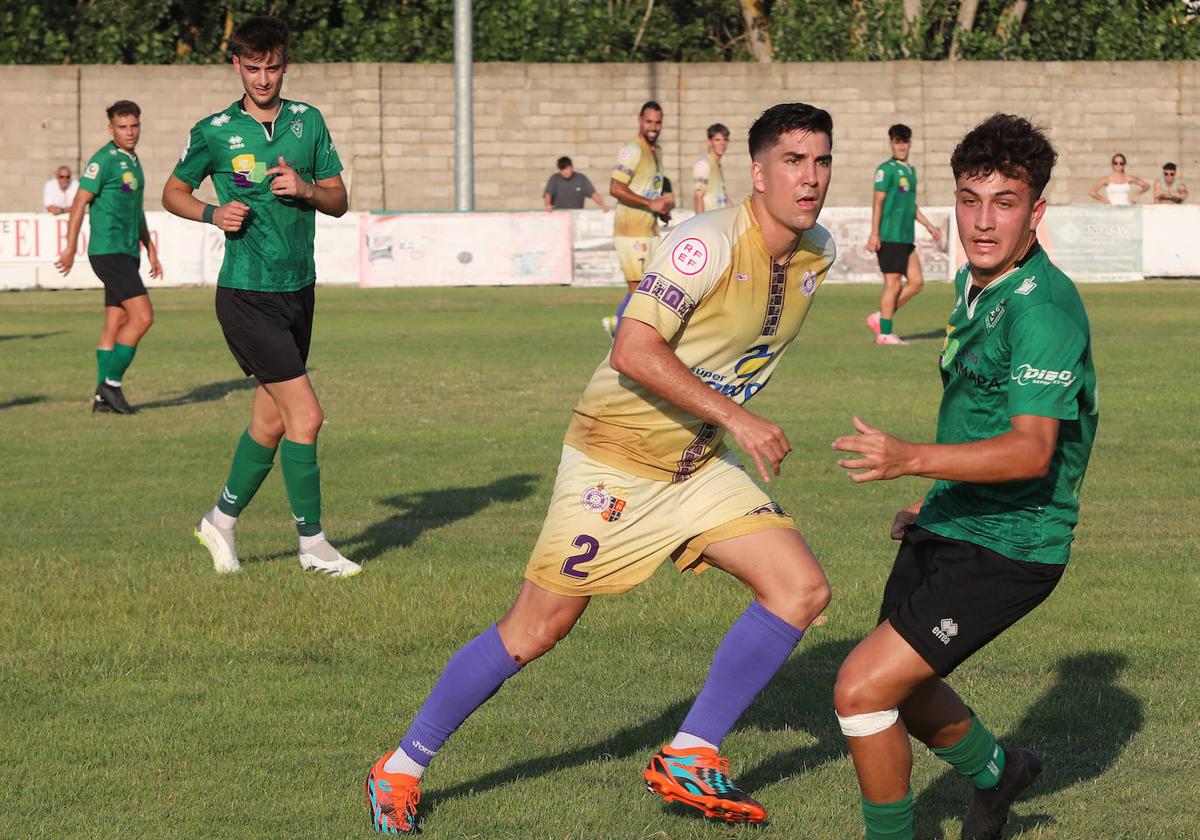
(119, 362)
(977, 755)
(885, 326)
(302, 477)
(102, 357)
(889, 821)
(251, 463)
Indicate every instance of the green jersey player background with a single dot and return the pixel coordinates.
(273, 166)
(991, 539)
(113, 184)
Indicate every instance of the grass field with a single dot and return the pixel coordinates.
(141, 695)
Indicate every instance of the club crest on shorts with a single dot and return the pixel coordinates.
(606, 501)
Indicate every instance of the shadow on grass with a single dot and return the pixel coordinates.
(1078, 728)
(16, 402)
(426, 510)
(926, 336)
(203, 393)
(800, 697)
(32, 336)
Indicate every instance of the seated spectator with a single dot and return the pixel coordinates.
(59, 192)
(1168, 190)
(567, 189)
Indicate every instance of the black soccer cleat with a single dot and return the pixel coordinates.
(99, 405)
(988, 811)
(112, 395)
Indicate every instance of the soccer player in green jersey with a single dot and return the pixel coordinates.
(892, 215)
(990, 540)
(112, 184)
(273, 166)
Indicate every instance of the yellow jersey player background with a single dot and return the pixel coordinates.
(708, 181)
(645, 476)
(637, 185)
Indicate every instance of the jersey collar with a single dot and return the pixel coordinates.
(238, 109)
(121, 151)
(1034, 249)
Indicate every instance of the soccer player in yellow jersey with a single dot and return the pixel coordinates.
(708, 181)
(645, 475)
(637, 185)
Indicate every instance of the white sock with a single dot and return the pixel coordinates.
(684, 741)
(401, 763)
(308, 542)
(116, 383)
(222, 519)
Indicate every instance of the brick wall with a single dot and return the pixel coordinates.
(394, 123)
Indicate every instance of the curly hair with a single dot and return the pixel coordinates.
(1010, 145)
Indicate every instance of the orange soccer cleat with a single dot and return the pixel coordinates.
(392, 799)
(700, 778)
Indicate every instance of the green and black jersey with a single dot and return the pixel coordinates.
(899, 182)
(114, 176)
(1022, 346)
(273, 252)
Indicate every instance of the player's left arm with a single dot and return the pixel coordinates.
(1023, 452)
(934, 230)
(151, 250)
(66, 257)
(327, 195)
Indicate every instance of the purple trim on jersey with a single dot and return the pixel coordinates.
(668, 294)
(687, 464)
(775, 298)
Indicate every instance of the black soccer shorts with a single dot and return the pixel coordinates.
(268, 332)
(119, 274)
(893, 257)
(948, 598)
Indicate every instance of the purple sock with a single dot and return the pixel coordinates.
(755, 647)
(624, 303)
(472, 675)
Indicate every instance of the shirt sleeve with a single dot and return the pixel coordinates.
(92, 176)
(49, 193)
(549, 190)
(700, 175)
(1047, 364)
(195, 161)
(326, 161)
(686, 267)
(881, 180)
(588, 189)
(627, 161)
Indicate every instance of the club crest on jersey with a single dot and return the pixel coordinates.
(808, 283)
(994, 317)
(247, 171)
(690, 256)
(297, 128)
(605, 501)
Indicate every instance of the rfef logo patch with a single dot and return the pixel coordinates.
(690, 256)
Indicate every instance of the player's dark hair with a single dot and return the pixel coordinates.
(564, 162)
(123, 107)
(259, 36)
(651, 105)
(900, 132)
(1007, 144)
(1169, 165)
(779, 120)
(717, 128)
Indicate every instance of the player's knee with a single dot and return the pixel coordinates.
(541, 638)
(802, 602)
(853, 693)
(264, 430)
(307, 421)
(916, 284)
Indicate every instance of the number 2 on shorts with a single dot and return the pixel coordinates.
(590, 546)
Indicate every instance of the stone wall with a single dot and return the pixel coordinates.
(394, 123)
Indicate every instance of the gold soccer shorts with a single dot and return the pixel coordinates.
(634, 252)
(607, 531)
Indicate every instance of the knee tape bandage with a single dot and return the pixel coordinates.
(871, 723)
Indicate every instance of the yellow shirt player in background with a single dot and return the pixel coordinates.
(637, 185)
(708, 182)
(645, 477)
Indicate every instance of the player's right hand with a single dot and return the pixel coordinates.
(762, 440)
(658, 206)
(873, 243)
(230, 217)
(65, 261)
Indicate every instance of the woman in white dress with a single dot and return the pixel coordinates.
(1117, 186)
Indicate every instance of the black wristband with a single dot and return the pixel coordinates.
(209, 209)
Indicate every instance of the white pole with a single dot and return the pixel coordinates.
(464, 164)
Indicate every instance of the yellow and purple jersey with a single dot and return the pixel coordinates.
(729, 311)
(640, 169)
(707, 178)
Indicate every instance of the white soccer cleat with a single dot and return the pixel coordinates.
(220, 544)
(326, 559)
(890, 340)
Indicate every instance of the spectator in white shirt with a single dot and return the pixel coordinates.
(59, 192)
